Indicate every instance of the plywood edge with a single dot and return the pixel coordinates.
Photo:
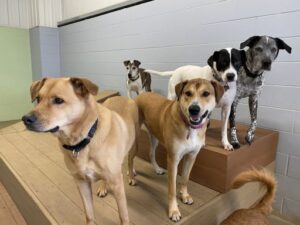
(30, 207)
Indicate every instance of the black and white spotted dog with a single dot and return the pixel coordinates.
(223, 66)
(138, 80)
(262, 51)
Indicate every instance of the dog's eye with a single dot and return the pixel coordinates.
(273, 50)
(58, 101)
(133, 67)
(205, 94)
(128, 67)
(188, 93)
(258, 49)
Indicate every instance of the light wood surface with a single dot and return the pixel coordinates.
(36, 161)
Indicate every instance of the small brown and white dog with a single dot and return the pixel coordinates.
(179, 125)
(88, 133)
(258, 214)
(138, 80)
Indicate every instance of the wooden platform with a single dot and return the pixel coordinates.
(215, 167)
(33, 172)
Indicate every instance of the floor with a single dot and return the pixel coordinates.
(26, 145)
(9, 213)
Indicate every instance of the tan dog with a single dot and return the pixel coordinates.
(89, 134)
(180, 126)
(258, 214)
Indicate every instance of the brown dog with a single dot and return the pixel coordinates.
(180, 126)
(258, 214)
(89, 134)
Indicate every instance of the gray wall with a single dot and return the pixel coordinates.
(45, 52)
(165, 34)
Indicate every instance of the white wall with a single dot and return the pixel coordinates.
(165, 34)
(73, 8)
(30, 13)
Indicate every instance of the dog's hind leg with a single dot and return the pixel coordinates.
(225, 117)
(116, 184)
(85, 190)
(154, 143)
(233, 132)
(188, 162)
(131, 170)
(253, 103)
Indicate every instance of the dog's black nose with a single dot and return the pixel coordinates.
(267, 63)
(230, 76)
(194, 110)
(29, 119)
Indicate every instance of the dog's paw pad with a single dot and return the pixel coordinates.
(101, 193)
(132, 182)
(187, 199)
(175, 216)
(236, 145)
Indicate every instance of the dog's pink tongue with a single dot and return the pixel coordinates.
(195, 118)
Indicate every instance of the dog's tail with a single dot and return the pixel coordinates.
(268, 180)
(163, 74)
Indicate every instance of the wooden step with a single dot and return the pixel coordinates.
(34, 174)
(215, 167)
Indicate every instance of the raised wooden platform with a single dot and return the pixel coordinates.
(34, 174)
(215, 167)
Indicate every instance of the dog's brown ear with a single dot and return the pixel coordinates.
(137, 63)
(250, 42)
(35, 88)
(126, 62)
(219, 90)
(282, 45)
(179, 88)
(83, 86)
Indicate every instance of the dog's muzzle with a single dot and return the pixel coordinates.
(230, 77)
(31, 122)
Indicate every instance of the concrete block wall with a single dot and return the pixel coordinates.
(166, 34)
(45, 52)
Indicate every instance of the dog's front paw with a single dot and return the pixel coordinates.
(235, 145)
(160, 171)
(187, 199)
(227, 146)
(101, 192)
(132, 181)
(249, 138)
(175, 215)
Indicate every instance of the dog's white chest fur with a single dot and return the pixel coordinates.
(135, 85)
(228, 95)
(192, 143)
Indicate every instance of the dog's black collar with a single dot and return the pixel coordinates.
(78, 147)
(134, 79)
(249, 73)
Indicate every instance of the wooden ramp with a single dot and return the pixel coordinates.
(34, 174)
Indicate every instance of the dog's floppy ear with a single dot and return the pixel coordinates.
(179, 88)
(126, 62)
(219, 90)
(282, 45)
(250, 42)
(83, 86)
(36, 87)
(136, 63)
(213, 58)
(243, 56)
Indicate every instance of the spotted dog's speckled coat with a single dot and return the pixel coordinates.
(262, 51)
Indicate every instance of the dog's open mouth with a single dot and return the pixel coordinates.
(196, 120)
